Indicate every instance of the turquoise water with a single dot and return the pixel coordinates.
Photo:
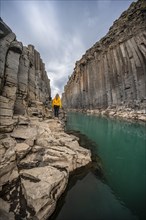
(122, 149)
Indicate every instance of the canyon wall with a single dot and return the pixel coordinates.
(112, 73)
(36, 155)
(24, 84)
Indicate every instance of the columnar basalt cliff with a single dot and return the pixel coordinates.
(36, 155)
(112, 74)
(23, 80)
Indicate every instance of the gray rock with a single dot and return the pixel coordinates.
(37, 173)
(24, 133)
(112, 73)
(42, 187)
(23, 80)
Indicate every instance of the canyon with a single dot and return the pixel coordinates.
(110, 78)
(36, 155)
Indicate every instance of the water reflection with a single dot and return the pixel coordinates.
(122, 148)
(92, 199)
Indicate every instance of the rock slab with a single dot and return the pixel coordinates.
(36, 160)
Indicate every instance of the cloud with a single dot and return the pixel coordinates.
(61, 64)
(40, 20)
(61, 31)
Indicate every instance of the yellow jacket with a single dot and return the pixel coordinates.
(56, 102)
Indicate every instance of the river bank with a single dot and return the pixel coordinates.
(37, 158)
(123, 113)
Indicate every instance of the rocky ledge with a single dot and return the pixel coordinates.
(36, 159)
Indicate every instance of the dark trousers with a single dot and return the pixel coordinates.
(56, 110)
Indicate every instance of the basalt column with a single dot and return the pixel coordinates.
(24, 84)
(113, 72)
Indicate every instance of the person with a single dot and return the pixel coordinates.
(56, 104)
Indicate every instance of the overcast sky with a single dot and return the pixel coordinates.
(61, 30)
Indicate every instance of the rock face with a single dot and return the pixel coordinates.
(24, 85)
(112, 73)
(35, 162)
(36, 156)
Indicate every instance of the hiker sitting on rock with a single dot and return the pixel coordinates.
(56, 104)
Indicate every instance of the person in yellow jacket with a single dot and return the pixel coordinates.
(56, 104)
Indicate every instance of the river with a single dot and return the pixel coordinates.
(118, 194)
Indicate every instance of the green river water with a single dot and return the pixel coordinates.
(121, 195)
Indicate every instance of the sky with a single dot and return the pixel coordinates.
(61, 30)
